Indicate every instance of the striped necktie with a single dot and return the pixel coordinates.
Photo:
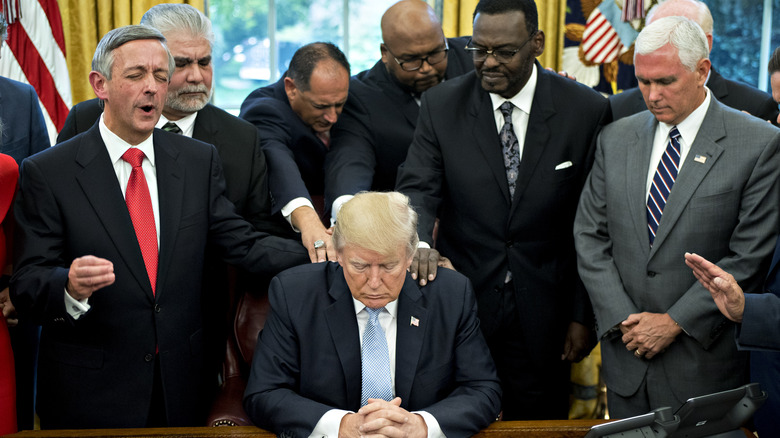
(663, 180)
(172, 127)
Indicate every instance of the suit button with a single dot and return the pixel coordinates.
(509, 243)
(157, 308)
(149, 357)
(651, 274)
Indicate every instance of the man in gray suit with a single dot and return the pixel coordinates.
(663, 339)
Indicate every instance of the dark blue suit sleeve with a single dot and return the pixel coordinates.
(760, 329)
(350, 163)
(284, 178)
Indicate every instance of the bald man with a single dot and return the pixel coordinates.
(734, 94)
(374, 132)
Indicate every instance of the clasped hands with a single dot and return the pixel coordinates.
(648, 334)
(380, 418)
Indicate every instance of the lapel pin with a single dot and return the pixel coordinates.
(700, 159)
(415, 322)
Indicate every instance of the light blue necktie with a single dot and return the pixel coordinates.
(663, 180)
(376, 360)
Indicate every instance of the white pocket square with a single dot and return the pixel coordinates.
(564, 165)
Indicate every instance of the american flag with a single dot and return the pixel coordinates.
(35, 54)
(415, 322)
(606, 36)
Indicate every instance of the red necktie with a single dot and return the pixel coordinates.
(139, 204)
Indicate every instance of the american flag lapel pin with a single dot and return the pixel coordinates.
(415, 322)
(700, 159)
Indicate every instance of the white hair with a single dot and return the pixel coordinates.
(682, 33)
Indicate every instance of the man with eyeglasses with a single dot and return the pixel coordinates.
(505, 190)
(374, 132)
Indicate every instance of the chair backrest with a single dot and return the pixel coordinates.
(251, 314)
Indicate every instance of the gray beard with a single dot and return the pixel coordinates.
(188, 104)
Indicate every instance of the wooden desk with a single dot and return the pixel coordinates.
(500, 429)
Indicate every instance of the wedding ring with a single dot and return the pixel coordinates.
(318, 244)
(637, 353)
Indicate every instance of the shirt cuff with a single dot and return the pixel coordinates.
(75, 308)
(422, 244)
(337, 206)
(329, 424)
(434, 430)
(288, 209)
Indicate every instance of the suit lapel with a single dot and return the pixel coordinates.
(170, 189)
(342, 323)
(409, 338)
(692, 172)
(537, 134)
(485, 136)
(637, 155)
(99, 183)
(396, 92)
(204, 128)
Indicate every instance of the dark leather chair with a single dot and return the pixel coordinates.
(250, 316)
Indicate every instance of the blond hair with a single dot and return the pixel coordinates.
(378, 222)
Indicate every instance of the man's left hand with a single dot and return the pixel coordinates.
(9, 311)
(579, 341)
(650, 333)
(389, 419)
(425, 263)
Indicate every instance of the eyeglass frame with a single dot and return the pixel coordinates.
(421, 59)
(476, 50)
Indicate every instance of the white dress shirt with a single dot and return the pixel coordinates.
(186, 123)
(688, 129)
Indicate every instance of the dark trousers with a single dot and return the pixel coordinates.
(530, 391)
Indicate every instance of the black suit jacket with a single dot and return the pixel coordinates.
(237, 143)
(307, 359)
(375, 130)
(295, 155)
(735, 94)
(97, 371)
(455, 171)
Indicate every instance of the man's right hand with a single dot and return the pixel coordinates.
(88, 274)
(314, 236)
(425, 263)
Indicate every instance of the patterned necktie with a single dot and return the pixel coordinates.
(376, 360)
(510, 146)
(172, 127)
(663, 180)
(139, 204)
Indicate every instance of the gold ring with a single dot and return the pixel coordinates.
(637, 353)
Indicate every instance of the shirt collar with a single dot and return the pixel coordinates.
(689, 127)
(391, 307)
(186, 123)
(116, 146)
(523, 99)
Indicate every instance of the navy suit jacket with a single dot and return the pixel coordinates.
(760, 333)
(97, 371)
(295, 155)
(734, 94)
(24, 130)
(308, 360)
(375, 130)
(455, 171)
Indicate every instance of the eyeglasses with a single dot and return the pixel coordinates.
(503, 56)
(414, 64)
